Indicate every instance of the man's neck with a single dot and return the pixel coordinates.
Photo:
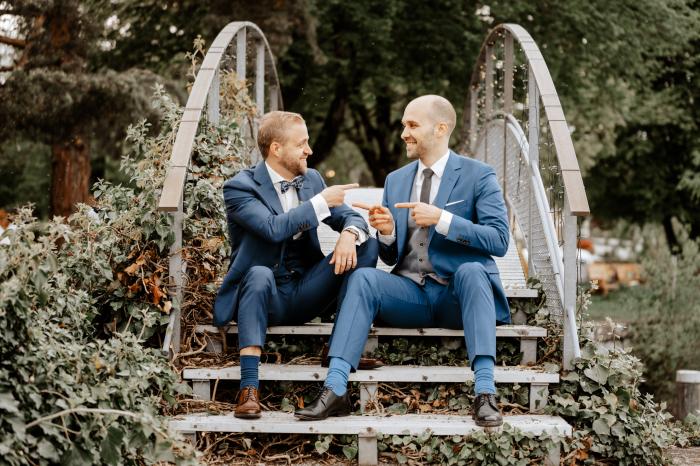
(432, 157)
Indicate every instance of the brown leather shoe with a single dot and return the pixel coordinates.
(248, 406)
(364, 364)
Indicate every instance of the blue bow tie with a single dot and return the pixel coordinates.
(297, 182)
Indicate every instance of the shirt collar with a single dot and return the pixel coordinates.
(438, 167)
(274, 176)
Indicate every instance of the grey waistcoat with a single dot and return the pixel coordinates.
(416, 263)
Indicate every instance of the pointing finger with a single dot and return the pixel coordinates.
(362, 205)
(345, 187)
(405, 205)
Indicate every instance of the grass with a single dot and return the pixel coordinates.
(617, 305)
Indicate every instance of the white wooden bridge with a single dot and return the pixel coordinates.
(513, 121)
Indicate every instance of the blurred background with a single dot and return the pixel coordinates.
(75, 74)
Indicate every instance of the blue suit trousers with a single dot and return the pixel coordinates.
(294, 300)
(465, 303)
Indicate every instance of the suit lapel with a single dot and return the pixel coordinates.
(266, 189)
(404, 195)
(447, 184)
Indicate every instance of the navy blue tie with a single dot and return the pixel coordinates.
(297, 182)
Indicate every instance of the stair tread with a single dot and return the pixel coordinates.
(297, 372)
(404, 424)
(502, 331)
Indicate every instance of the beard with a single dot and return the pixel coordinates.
(295, 165)
(414, 151)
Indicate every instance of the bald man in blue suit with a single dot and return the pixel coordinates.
(442, 219)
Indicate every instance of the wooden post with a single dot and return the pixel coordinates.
(367, 454)
(213, 99)
(571, 348)
(687, 393)
(241, 54)
(176, 272)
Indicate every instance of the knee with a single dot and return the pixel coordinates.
(362, 279)
(259, 278)
(470, 271)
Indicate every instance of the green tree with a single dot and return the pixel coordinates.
(54, 93)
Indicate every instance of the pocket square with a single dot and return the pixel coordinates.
(454, 202)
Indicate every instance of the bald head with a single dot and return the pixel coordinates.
(438, 109)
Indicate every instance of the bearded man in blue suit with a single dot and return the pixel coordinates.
(278, 274)
(442, 219)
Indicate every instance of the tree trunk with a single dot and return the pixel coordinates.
(70, 175)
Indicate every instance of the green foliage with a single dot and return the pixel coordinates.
(79, 300)
(67, 397)
(665, 335)
(612, 418)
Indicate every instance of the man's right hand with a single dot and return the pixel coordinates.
(335, 195)
(380, 217)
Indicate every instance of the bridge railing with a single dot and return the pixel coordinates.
(514, 121)
(240, 47)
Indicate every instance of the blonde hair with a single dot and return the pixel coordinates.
(273, 128)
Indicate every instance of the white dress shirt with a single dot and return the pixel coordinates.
(290, 200)
(438, 168)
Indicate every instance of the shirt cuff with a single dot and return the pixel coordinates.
(443, 225)
(320, 207)
(361, 235)
(387, 240)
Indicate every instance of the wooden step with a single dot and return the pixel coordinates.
(368, 427)
(369, 380)
(502, 331)
(526, 333)
(430, 374)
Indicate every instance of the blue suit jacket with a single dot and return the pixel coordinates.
(469, 190)
(259, 228)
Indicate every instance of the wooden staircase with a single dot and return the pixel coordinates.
(542, 225)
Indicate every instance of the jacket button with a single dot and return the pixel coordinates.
(421, 244)
(420, 260)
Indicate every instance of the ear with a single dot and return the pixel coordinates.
(274, 149)
(441, 129)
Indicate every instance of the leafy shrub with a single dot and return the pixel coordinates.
(665, 337)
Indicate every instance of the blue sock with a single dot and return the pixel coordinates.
(483, 375)
(249, 371)
(337, 378)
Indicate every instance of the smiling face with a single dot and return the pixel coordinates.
(291, 154)
(418, 130)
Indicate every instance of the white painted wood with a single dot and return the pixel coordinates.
(539, 394)
(409, 424)
(260, 77)
(571, 345)
(368, 394)
(687, 376)
(202, 389)
(294, 372)
(213, 99)
(553, 457)
(528, 348)
(241, 53)
(502, 331)
(367, 454)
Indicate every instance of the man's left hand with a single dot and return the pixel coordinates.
(425, 215)
(345, 253)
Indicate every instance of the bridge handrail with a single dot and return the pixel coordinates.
(173, 187)
(205, 94)
(566, 155)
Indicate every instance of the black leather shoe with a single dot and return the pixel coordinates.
(486, 413)
(326, 404)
